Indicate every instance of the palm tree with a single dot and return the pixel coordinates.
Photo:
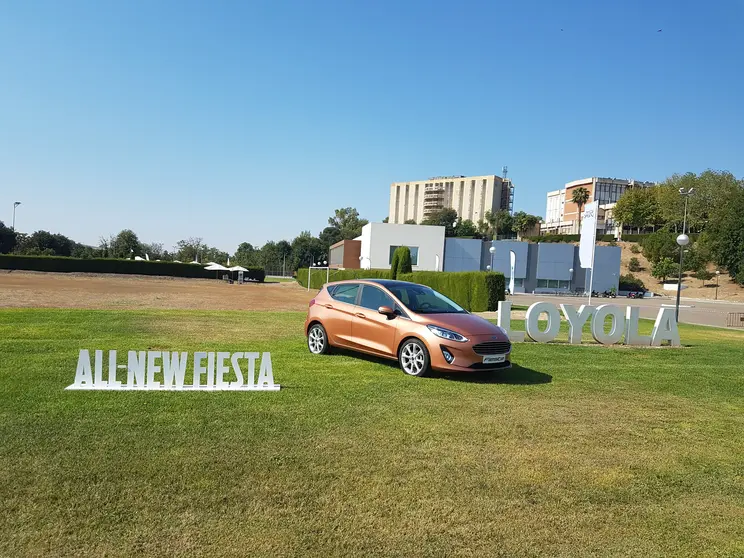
(580, 196)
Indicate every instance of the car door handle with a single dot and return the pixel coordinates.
(360, 315)
(329, 306)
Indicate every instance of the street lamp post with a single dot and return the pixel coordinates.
(15, 204)
(570, 279)
(492, 250)
(718, 274)
(682, 240)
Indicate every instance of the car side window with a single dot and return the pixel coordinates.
(345, 293)
(373, 298)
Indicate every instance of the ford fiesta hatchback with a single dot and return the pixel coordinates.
(413, 324)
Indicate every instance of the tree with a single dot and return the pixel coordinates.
(524, 222)
(125, 245)
(658, 245)
(637, 207)
(190, 249)
(664, 268)
(724, 235)
(580, 196)
(401, 262)
(347, 221)
(330, 236)
(44, 243)
(445, 217)
(386, 219)
(154, 250)
(704, 275)
(499, 223)
(306, 250)
(634, 264)
(246, 255)
(465, 229)
(409, 222)
(7, 239)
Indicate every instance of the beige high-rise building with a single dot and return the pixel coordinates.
(470, 196)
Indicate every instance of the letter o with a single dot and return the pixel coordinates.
(618, 324)
(531, 322)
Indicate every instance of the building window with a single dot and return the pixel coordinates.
(414, 254)
(542, 283)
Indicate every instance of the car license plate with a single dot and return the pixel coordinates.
(494, 359)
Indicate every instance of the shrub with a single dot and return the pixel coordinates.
(634, 264)
(634, 249)
(664, 268)
(401, 261)
(630, 282)
(476, 291)
(659, 245)
(64, 264)
(704, 275)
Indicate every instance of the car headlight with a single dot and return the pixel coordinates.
(447, 334)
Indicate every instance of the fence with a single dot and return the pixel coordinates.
(735, 319)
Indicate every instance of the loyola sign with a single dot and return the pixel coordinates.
(624, 324)
(164, 370)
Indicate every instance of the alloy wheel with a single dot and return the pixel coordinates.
(412, 359)
(316, 340)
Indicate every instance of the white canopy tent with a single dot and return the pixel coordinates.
(216, 267)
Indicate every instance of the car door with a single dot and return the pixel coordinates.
(370, 330)
(341, 309)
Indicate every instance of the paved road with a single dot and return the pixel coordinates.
(690, 311)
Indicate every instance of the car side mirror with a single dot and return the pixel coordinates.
(387, 311)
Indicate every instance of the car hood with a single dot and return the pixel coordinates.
(466, 324)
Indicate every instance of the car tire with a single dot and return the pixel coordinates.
(317, 340)
(413, 358)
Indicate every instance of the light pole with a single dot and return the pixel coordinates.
(492, 250)
(15, 204)
(718, 274)
(682, 240)
(488, 268)
(570, 279)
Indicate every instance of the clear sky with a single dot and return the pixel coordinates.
(253, 120)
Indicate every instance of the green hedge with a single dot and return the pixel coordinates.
(476, 291)
(129, 267)
(567, 238)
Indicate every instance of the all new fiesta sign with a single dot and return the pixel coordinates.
(623, 324)
(167, 370)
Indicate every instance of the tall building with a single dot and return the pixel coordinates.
(470, 196)
(562, 214)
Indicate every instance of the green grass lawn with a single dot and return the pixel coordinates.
(576, 451)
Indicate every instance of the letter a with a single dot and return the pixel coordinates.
(266, 374)
(83, 374)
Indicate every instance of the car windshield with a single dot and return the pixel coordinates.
(423, 300)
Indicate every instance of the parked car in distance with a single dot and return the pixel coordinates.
(413, 324)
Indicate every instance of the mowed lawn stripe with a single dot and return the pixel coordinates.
(576, 451)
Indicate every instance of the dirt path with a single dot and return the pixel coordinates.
(24, 289)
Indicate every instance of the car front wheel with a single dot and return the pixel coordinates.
(317, 340)
(414, 358)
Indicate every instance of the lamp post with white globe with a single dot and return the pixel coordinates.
(492, 249)
(682, 240)
(718, 274)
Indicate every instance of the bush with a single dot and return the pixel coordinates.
(634, 249)
(63, 264)
(476, 291)
(630, 282)
(660, 245)
(664, 268)
(704, 275)
(401, 261)
(634, 264)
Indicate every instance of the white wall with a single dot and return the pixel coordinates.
(377, 238)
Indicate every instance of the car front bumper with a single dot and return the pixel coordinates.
(465, 358)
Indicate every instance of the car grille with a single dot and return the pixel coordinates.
(492, 348)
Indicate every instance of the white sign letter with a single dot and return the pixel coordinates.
(665, 329)
(112, 381)
(532, 326)
(83, 375)
(210, 370)
(136, 368)
(576, 321)
(152, 369)
(618, 324)
(174, 367)
(98, 370)
(198, 368)
(266, 375)
(504, 322)
(222, 369)
(632, 337)
(251, 379)
(237, 370)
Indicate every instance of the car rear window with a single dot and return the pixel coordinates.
(346, 292)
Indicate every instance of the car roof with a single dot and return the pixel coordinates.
(387, 283)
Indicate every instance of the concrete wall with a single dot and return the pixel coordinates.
(502, 260)
(462, 254)
(377, 238)
(606, 268)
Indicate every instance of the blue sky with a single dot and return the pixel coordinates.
(253, 120)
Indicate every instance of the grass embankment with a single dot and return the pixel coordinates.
(576, 451)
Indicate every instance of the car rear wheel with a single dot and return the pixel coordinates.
(317, 339)
(414, 358)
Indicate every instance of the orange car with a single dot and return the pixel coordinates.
(413, 324)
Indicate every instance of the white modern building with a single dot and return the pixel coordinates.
(470, 196)
(379, 241)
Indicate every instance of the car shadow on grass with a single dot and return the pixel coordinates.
(516, 375)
